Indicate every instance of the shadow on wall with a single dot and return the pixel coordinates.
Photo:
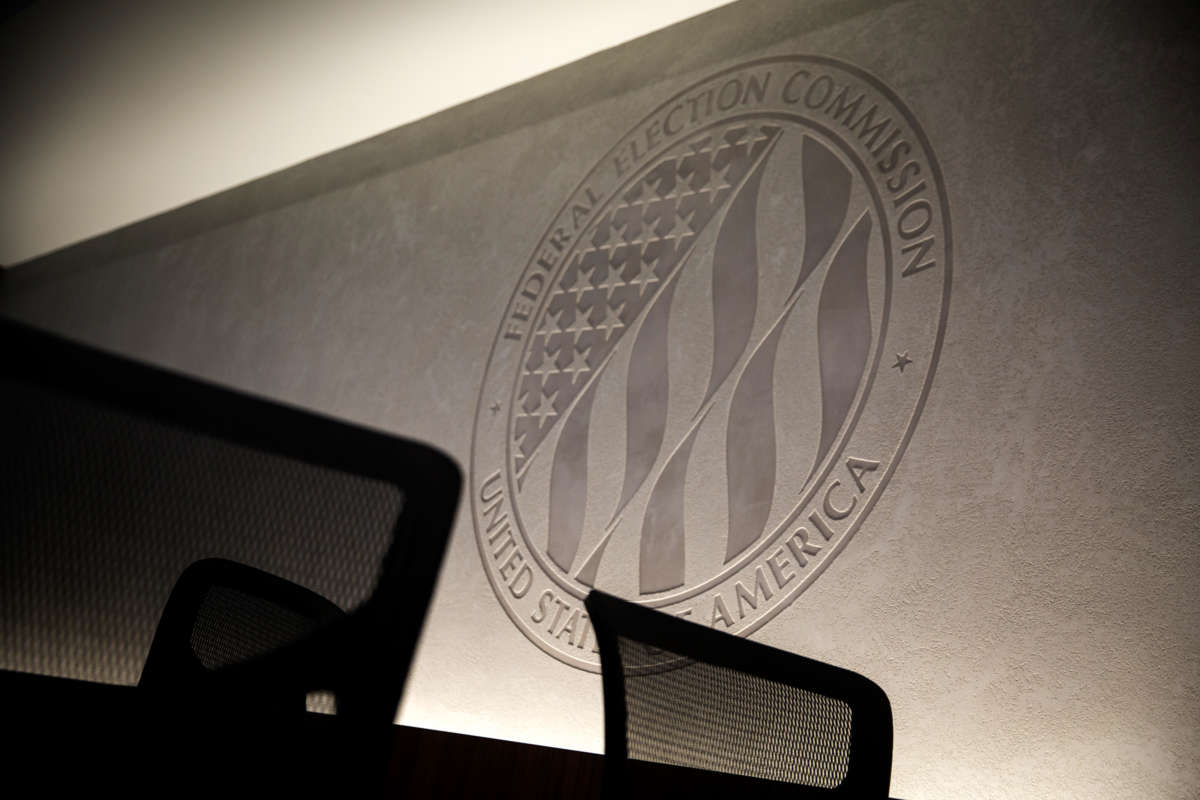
(686, 46)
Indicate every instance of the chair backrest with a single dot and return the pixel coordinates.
(679, 693)
(222, 613)
(116, 470)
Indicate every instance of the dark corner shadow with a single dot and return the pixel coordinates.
(709, 38)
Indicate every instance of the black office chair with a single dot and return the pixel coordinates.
(222, 613)
(679, 693)
(113, 459)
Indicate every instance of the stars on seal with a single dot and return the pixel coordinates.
(519, 448)
(611, 323)
(645, 278)
(576, 288)
(551, 323)
(621, 262)
(578, 364)
(609, 285)
(545, 409)
(577, 328)
(902, 361)
(544, 370)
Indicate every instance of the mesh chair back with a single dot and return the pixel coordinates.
(221, 613)
(681, 694)
(233, 626)
(118, 475)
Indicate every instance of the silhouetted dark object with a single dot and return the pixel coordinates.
(103, 445)
(679, 693)
(223, 613)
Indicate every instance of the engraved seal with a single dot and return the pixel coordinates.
(715, 356)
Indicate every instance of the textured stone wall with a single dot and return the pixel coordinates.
(1017, 572)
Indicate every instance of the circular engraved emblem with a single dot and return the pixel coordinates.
(715, 356)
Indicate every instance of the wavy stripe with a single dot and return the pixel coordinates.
(750, 445)
(661, 565)
(826, 184)
(655, 220)
(650, 393)
(735, 280)
(587, 573)
(843, 332)
(569, 483)
(646, 397)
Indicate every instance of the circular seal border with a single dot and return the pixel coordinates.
(787, 597)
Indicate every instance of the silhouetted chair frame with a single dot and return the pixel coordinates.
(173, 667)
(363, 657)
(869, 769)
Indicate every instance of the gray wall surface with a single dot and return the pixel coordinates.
(1020, 575)
(119, 111)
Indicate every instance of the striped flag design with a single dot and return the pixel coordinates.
(652, 373)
